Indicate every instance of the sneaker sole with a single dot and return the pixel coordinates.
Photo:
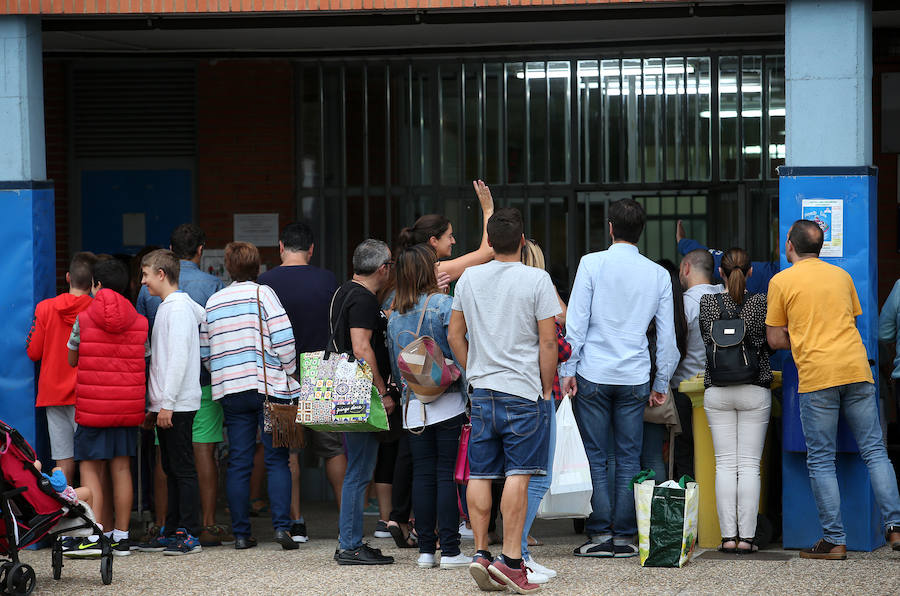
(358, 562)
(382, 535)
(146, 549)
(624, 555)
(82, 555)
(426, 565)
(121, 553)
(454, 565)
(825, 556)
(484, 580)
(603, 555)
(178, 553)
(300, 539)
(499, 575)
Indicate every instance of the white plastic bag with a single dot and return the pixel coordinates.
(571, 487)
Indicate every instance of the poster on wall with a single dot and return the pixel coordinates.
(260, 229)
(829, 215)
(213, 262)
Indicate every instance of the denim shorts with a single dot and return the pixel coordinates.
(510, 436)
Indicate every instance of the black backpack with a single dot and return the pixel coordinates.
(730, 360)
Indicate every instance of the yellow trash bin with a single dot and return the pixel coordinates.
(708, 535)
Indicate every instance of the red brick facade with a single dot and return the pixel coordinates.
(245, 145)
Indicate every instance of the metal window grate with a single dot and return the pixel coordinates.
(134, 112)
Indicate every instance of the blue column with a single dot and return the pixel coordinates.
(828, 46)
(27, 272)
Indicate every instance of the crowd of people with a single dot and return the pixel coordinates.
(194, 362)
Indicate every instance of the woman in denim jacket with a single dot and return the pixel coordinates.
(436, 426)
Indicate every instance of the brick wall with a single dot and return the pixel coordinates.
(232, 6)
(57, 163)
(245, 158)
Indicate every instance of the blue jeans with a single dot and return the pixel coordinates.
(819, 412)
(538, 485)
(243, 416)
(362, 454)
(433, 488)
(509, 436)
(651, 450)
(599, 408)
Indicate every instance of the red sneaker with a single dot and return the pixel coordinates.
(478, 569)
(517, 579)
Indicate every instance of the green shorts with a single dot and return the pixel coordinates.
(208, 421)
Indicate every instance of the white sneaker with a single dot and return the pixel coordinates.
(465, 533)
(536, 578)
(538, 568)
(456, 562)
(426, 561)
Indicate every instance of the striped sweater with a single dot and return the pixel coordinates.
(232, 350)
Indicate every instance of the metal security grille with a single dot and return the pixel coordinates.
(134, 112)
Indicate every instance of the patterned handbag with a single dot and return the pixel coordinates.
(422, 364)
(336, 390)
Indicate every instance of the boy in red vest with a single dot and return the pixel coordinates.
(109, 345)
(53, 320)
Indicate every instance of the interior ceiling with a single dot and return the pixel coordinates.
(432, 31)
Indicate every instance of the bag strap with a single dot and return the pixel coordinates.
(724, 310)
(331, 346)
(262, 345)
(422, 316)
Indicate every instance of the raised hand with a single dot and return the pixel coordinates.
(484, 196)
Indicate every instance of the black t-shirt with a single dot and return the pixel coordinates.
(361, 310)
(305, 292)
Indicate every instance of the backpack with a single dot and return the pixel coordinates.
(730, 361)
(422, 365)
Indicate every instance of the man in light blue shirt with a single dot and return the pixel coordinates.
(617, 292)
(888, 325)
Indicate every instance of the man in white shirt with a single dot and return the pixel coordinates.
(696, 274)
(617, 292)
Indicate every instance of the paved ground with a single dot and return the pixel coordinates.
(310, 570)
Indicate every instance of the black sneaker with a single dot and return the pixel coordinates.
(364, 555)
(381, 530)
(623, 551)
(596, 549)
(298, 532)
(84, 549)
(122, 548)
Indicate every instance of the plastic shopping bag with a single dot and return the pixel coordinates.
(571, 486)
(667, 520)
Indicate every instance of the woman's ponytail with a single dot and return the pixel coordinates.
(735, 266)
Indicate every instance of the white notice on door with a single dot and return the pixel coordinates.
(260, 229)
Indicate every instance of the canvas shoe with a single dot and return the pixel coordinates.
(537, 567)
(465, 533)
(456, 562)
(515, 579)
(478, 569)
(426, 561)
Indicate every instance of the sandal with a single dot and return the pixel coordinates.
(747, 551)
(731, 550)
(399, 539)
(532, 541)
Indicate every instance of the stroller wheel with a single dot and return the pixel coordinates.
(4, 574)
(106, 565)
(56, 558)
(21, 580)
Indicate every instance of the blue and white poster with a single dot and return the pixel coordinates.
(829, 215)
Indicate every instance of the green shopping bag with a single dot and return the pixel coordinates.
(667, 520)
(337, 394)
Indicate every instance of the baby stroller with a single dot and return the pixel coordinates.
(31, 510)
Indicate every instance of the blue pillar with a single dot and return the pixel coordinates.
(828, 47)
(27, 272)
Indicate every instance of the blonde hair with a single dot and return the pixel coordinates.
(163, 260)
(532, 255)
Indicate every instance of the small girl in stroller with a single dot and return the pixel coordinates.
(59, 483)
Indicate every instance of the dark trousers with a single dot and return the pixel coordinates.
(684, 443)
(401, 494)
(177, 451)
(434, 490)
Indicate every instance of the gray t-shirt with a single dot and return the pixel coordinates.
(502, 303)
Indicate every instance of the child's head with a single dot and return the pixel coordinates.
(159, 272)
(111, 274)
(80, 274)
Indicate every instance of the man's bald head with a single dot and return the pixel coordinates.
(701, 265)
(807, 237)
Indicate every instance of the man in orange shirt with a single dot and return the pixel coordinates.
(53, 320)
(812, 310)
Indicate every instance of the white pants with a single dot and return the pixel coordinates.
(738, 417)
